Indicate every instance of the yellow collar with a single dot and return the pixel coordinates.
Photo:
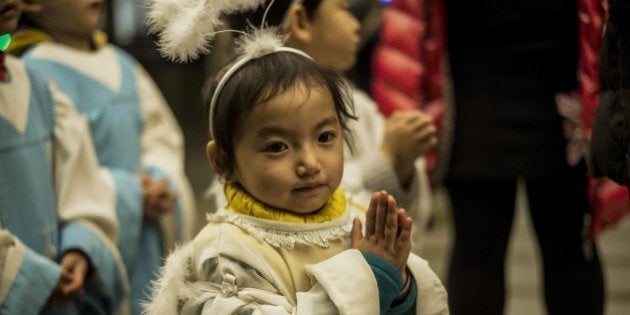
(27, 37)
(241, 202)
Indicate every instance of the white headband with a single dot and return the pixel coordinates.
(235, 67)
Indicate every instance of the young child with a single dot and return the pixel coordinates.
(57, 227)
(385, 153)
(138, 140)
(289, 240)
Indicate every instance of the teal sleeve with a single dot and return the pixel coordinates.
(388, 280)
(408, 305)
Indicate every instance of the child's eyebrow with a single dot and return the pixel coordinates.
(275, 130)
(332, 120)
(272, 130)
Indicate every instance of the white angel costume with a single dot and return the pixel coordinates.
(251, 259)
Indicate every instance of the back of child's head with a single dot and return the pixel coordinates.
(274, 16)
(72, 23)
(261, 79)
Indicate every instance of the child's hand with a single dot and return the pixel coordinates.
(408, 135)
(158, 199)
(74, 267)
(387, 232)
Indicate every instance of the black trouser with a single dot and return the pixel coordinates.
(483, 214)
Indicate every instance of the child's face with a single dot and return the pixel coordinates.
(335, 37)
(10, 11)
(289, 151)
(70, 18)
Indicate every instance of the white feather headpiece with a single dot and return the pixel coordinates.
(186, 27)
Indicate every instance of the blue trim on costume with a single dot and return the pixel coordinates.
(158, 174)
(107, 278)
(33, 285)
(129, 205)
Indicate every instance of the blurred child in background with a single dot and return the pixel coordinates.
(58, 228)
(138, 141)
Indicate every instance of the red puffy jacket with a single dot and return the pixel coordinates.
(407, 64)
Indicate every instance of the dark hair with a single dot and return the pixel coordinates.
(275, 16)
(262, 79)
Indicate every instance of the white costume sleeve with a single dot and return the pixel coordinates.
(81, 191)
(163, 145)
(432, 296)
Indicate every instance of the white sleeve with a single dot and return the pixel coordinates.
(431, 295)
(163, 145)
(84, 191)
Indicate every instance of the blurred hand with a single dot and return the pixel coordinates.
(387, 232)
(74, 267)
(408, 135)
(158, 199)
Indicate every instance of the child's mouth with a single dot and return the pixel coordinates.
(310, 188)
(9, 11)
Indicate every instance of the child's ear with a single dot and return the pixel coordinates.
(299, 25)
(219, 160)
(31, 6)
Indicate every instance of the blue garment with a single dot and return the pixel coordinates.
(28, 211)
(117, 125)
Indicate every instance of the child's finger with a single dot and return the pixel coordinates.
(356, 235)
(370, 215)
(405, 234)
(391, 221)
(381, 215)
(402, 215)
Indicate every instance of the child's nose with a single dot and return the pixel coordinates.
(308, 163)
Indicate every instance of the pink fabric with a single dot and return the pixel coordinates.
(3, 69)
(610, 201)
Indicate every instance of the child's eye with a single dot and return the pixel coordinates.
(275, 147)
(326, 137)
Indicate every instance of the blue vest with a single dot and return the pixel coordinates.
(27, 198)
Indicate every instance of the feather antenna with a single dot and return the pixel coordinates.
(260, 42)
(185, 28)
(189, 34)
(159, 12)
